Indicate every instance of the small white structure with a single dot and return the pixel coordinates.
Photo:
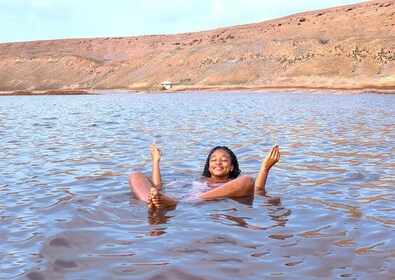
(167, 85)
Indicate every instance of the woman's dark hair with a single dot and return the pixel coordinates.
(233, 159)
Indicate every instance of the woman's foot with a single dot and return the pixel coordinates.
(158, 200)
(150, 202)
(155, 199)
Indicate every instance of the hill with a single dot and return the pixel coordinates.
(349, 48)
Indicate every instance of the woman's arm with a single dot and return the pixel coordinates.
(156, 154)
(271, 159)
(240, 186)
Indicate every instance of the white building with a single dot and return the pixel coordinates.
(167, 85)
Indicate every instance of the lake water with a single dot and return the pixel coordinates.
(67, 211)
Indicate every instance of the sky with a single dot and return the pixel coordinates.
(29, 20)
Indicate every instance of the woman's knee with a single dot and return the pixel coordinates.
(247, 181)
(136, 176)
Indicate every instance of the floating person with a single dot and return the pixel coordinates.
(220, 176)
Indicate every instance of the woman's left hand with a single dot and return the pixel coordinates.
(272, 158)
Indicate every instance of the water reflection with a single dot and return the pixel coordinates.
(275, 212)
(159, 216)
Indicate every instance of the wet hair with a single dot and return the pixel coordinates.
(233, 160)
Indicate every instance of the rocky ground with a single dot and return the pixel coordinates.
(343, 48)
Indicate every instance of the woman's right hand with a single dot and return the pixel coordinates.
(155, 152)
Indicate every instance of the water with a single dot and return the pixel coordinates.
(67, 212)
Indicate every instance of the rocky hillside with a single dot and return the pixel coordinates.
(348, 47)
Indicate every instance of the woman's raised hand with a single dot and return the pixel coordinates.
(155, 152)
(272, 158)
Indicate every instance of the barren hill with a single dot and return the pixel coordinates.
(346, 47)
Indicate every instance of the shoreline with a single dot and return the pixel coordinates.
(266, 89)
(212, 89)
(44, 92)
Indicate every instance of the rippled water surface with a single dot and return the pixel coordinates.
(67, 212)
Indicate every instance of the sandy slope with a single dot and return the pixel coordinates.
(348, 47)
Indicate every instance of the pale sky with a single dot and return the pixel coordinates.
(28, 20)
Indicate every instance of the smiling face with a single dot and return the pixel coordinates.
(220, 164)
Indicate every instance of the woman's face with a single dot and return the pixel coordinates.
(220, 164)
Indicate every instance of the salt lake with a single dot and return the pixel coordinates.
(67, 212)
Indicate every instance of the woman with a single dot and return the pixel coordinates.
(221, 173)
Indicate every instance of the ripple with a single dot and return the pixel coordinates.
(67, 211)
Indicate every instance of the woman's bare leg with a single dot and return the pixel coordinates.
(241, 186)
(140, 185)
(145, 189)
